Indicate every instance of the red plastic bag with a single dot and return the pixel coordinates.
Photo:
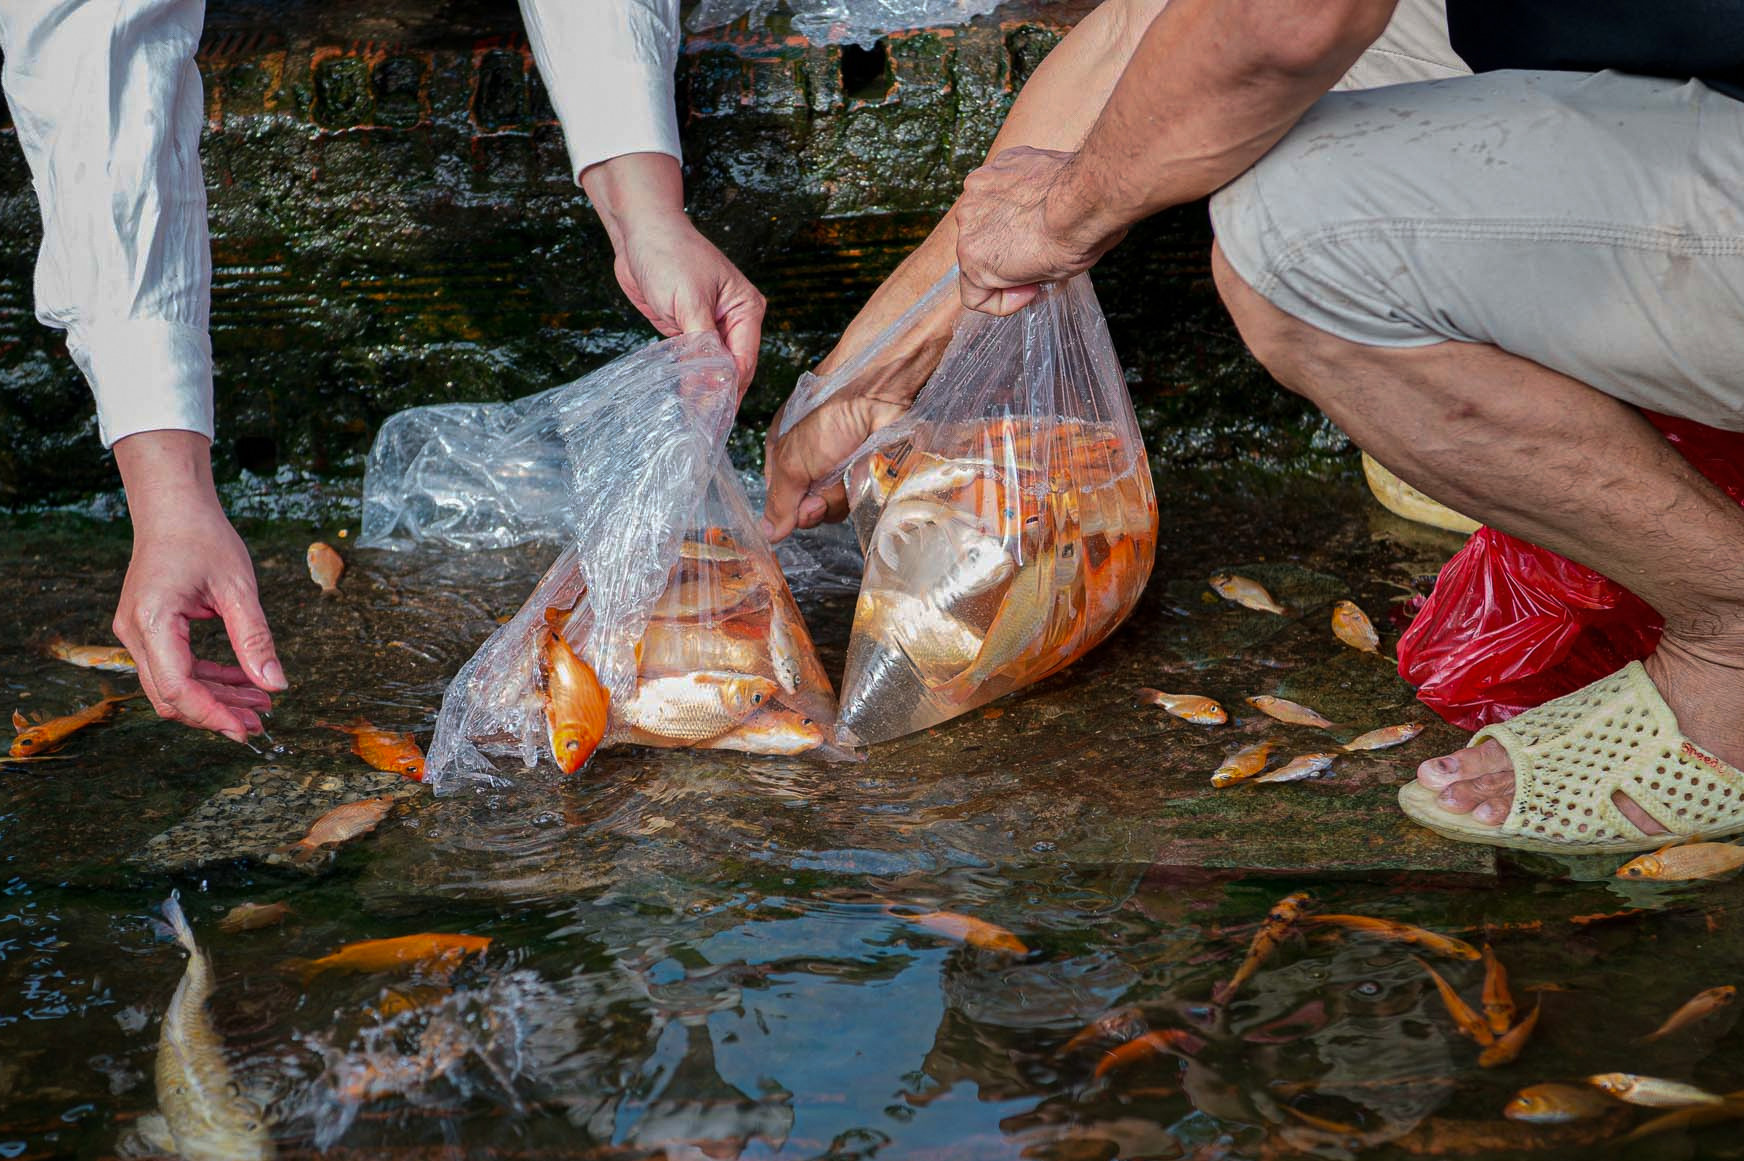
(1511, 626)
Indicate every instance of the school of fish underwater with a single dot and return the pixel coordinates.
(1160, 903)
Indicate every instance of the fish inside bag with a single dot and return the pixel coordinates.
(1008, 518)
(666, 620)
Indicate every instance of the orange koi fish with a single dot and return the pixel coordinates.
(1508, 1046)
(437, 952)
(1201, 711)
(1402, 933)
(1352, 626)
(385, 750)
(1249, 594)
(577, 706)
(964, 929)
(1277, 924)
(1466, 1020)
(325, 565)
(108, 658)
(51, 734)
(1498, 1001)
(1287, 711)
(1698, 1008)
(1244, 763)
(1177, 1041)
(1122, 1024)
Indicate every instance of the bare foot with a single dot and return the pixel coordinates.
(1706, 694)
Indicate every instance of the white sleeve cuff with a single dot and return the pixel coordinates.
(147, 375)
(638, 117)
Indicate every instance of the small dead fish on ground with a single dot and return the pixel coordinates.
(202, 1113)
(1392, 929)
(1176, 1041)
(438, 952)
(325, 566)
(1273, 929)
(386, 750)
(1498, 1000)
(1189, 707)
(1699, 1007)
(1508, 1046)
(1556, 1104)
(1290, 712)
(576, 707)
(1695, 1117)
(37, 738)
(1472, 1025)
(253, 917)
(964, 929)
(696, 706)
(1653, 1092)
(108, 658)
(1685, 861)
(1300, 767)
(1352, 626)
(1385, 738)
(1244, 763)
(1246, 593)
(341, 824)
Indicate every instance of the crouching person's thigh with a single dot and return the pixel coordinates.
(1592, 223)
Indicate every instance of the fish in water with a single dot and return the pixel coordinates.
(938, 644)
(1278, 923)
(1352, 626)
(1498, 1000)
(1465, 1019)
(1507, 1047)
(774, 729)
(1556, 1104)
(341, 824)
(1299, 768)
(576, 707)
(35, 739)
(1385, 738)
(1392, 929)
(964, 929)
(1247, 593)
(1653, 1092)
(108, 658)
(1685, 861)
(438, 953)
(696, 706)
(252, 917)
(1291, 712)
(1189, 707)
(1176, 1041)
(325, 565)
(1244, 763)
(1694, 1117)
(202, 1115)
(387, 750)
(784, 650)
(1697, 1009)
(1122, 1025)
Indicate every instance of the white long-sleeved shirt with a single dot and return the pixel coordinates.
(107, 102)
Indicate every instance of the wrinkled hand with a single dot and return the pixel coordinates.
(683, 284)
(1014, 232)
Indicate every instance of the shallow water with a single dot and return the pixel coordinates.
(706, 955)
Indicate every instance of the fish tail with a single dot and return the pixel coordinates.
(178, 923)
(110, 695)
(303, 969)
(350, 727)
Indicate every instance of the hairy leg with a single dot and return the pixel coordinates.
(1552, 461)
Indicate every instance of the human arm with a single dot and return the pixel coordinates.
(608, 65)
(1055, 109)
(107, 104)
(1212, 87)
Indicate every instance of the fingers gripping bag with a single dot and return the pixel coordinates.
(1008, 519)
(665, 621)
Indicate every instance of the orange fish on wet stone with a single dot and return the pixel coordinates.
(341, 824)
(325, 566)
(1385, 738)
(1190, 707)
(1290, 712)
(1695, 1010)
(1244, 763)
(1246, 593)
(1301, 767)
(388, 750)
(42, 737)
(1352, 626)
(108, 658)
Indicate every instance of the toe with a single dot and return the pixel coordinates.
(1440, 773)
(1469, 794)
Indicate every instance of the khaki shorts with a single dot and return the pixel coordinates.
(1593, 223)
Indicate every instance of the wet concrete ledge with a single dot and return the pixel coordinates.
(394, 223)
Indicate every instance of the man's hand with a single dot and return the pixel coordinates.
(188, 565)
(1017, 226)
(676, 277)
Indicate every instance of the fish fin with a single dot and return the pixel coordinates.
(178, 923)
(303, 969)
(19, 723)
(154, 1131)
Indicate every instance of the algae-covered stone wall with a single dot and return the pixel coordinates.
(394, 223)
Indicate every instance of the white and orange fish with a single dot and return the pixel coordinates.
(1290, 712)
(1190, 707)
(1352, 626)
(390, 751)
(695, 707)
(108, 658)
(1385, 738)
(1247, 593)
(325, 567)
(1244, 763)
(775, 729)
(1300, 767)
(341, 824)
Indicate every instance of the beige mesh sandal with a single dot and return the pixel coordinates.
(1570, 755)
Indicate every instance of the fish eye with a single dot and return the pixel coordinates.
(572, 744)
(1367, 988)
(756, 699)
(26, 743)
(805, 721)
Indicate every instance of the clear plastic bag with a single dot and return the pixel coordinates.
(1008, 519)
(667, 591)
(859, 22)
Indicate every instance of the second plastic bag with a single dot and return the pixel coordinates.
(666, 621)
(1008, 518)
